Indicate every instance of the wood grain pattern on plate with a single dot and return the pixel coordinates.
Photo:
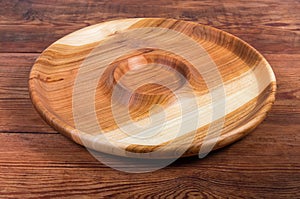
(150, 86)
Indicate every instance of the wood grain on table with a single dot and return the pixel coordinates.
(36, 161)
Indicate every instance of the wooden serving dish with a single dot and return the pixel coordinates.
(152, 87)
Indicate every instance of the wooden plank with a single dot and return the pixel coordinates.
(32, 26)
(84, 13)
(264, 164)
(16, 110)
(286, 109)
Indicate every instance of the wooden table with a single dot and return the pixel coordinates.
(36, 161)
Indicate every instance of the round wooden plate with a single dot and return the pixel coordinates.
(152, 87)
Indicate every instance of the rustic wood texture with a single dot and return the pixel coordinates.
(36, 162)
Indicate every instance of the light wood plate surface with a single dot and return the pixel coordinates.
(152, 87)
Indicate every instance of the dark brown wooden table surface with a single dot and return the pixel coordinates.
(38, 162)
